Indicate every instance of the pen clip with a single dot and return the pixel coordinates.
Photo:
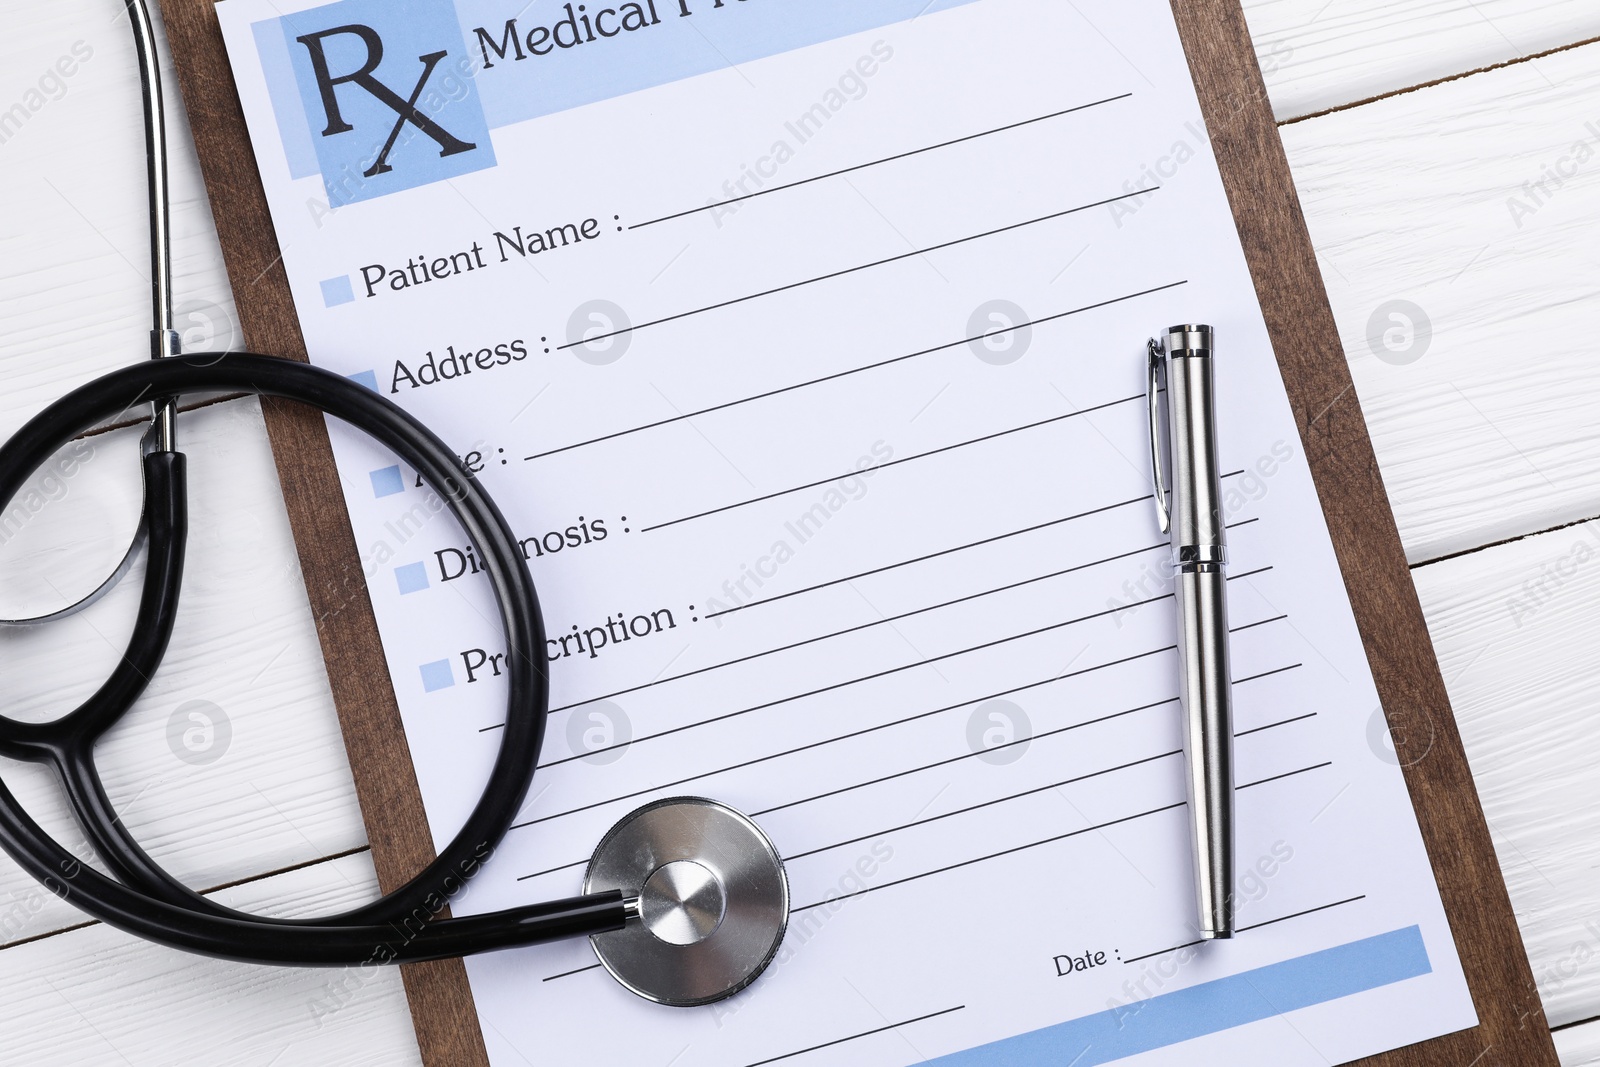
(1153, 394)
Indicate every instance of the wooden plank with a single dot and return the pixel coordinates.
(96, 995)
(1322, 54)
(1579, 1046)
(1486, 424)
(83, 302)
(261, 782)
(109, 236)
(1516, 628)
(74, 295)
(1382, 597)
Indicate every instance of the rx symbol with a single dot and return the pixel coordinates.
(405, 110)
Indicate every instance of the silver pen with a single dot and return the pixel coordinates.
(1199, 560)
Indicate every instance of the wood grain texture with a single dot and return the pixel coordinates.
(73, 305)
(99, 996)
(74, 295)
(1382, 597)
(1516, 630)
(1489, 428)
(255, 794)
(380, 759)
(1322, 54)
(1579, 1046)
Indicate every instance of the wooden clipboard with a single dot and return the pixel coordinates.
(1512, 1028)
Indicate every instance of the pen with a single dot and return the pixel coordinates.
(1199, 562)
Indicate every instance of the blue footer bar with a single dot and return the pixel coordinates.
(1211, 1007)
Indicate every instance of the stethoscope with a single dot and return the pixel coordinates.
(685, 899)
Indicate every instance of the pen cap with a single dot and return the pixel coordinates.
(1189, 340)
(1197, 519)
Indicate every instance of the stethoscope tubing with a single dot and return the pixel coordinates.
(402, 926)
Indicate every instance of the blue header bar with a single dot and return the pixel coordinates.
(589, 55)
(379, 96)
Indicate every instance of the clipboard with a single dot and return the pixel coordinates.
(1333, 431)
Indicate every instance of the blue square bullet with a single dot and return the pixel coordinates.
(336, 291)
(368, 378)
(413, 578)
(387, 482)
(437, 676)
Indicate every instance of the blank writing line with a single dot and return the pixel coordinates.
(971, 755)
(993, 856)
(869, 730)
(553, 870)
(880, 674)
(976, 544)
(565, 974)
(1267, 674)
(858, 733)
(1242, 929)
(845, 737)
(836, 685)
(1275, 725)
(854, 270)
(988, 803)
(1000, 748)
(877, 162)
(1252, 626)
(1263, 622)
(867, 626)
(1152, 955)
(1285, 774)
(873, 729)
(897, 462)
(1308, 911)
(858, 370)
(866, 678)
(880, 727)
(854, 1037)
(946, 552)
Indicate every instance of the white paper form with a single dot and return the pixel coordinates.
(804, 344)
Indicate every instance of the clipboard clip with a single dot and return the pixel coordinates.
(1155, 365)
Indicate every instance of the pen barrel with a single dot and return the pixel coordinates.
(1202, 600)
(1199, 551)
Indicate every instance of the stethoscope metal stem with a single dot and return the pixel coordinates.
(164, 339)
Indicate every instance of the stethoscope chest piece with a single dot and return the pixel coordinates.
(713, 901)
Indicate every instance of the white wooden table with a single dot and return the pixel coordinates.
(1448, 155)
